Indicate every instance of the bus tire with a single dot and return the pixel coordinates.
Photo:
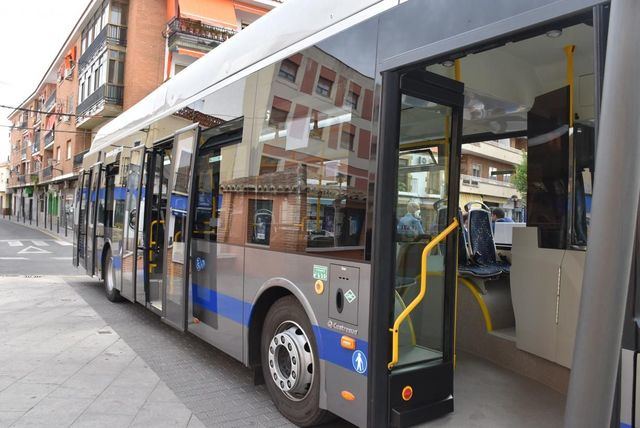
(109, 275)
(290, 363)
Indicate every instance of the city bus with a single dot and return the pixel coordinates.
(293, 199)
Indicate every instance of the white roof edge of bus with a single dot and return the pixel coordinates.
(300, 23)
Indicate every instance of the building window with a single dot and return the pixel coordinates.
(492, 172)
(68, 149)
(316, 125)
(278, 118)
(58, 154)
(346, 140)
(351, 100)
(288, 70)
(476, 170)
(324, 87)
(116, 68)
(506, 178)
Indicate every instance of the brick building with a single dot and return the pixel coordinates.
(486, 171)
(117, 53)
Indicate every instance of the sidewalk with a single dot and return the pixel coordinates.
(62, 365)
(53, 233)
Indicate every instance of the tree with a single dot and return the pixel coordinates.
(520, 176)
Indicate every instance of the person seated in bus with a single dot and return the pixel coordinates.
(498, 216)
(409, 226)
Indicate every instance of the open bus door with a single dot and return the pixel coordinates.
(414, 292)
(177, 227)
(80, 226)
(93, 200)
(133, 182)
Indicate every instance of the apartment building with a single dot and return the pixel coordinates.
(4, 181)
(117, 53)
(486, 172)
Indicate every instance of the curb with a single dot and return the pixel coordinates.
(39, 229)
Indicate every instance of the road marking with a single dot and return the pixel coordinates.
(39, 243)
(64, 243)
(15, 244)
(33, 250)
(14, 258)
(62, 258)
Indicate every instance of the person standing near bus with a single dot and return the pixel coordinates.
(409, 226)
(498, 216)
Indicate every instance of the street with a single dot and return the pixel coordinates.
(27, 251)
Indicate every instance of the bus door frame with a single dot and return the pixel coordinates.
(76, 219)
(385, 386)
(86, 181)
(178, 319)
(96, 174)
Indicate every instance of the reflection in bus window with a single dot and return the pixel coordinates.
(310, 158)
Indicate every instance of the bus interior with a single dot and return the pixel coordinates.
(517, 299)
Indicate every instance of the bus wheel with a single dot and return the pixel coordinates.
(112, 293)
(290, 363)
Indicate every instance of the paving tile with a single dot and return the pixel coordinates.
(103, 420)
(127, 400)
(53, 411)
(7, 418)
(22, 396)
(161, 415)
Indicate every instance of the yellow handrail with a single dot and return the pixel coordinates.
(395, 331)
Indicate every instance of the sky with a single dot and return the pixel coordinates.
(33, 32)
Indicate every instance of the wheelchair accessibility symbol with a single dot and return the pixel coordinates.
(359, 361)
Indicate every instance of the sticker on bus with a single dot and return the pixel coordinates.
(320, 272)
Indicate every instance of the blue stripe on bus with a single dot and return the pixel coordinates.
(623, 425)
(120, 193)
(221, 304)
(237, 310)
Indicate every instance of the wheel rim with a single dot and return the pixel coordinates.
(291, 361)
(108, 279)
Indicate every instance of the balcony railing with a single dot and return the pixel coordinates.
(47, 172)
(21, 179)
(77, 159)
(198, 35)
(48, 138)
(111, 94)
(113, 34)
(51, 101)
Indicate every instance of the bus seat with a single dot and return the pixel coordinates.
(482, 260)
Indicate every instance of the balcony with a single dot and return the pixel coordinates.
(77, 160)
(51, 102)
(47, 173)
(192, 34)
(486, 186)
(111, 34)
(48, 138)
(22, 179)
(110, 94)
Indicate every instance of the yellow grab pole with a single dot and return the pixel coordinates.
(395, 331)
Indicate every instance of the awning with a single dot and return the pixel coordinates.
(213, 12)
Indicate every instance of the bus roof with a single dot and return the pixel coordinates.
(281, 32)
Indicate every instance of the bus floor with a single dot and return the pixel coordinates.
(487, 395)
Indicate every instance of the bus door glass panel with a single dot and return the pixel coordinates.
(91, 220)
(82, 220)
(176, 251)
(133, 179)
(422, 212)
(422, 195)
(100, 218)
(141, 234)
(157, 204)
(77, 218)
(204, 234)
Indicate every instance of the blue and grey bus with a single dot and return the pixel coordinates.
(295, 199)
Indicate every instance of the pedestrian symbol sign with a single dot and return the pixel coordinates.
(359, 361)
